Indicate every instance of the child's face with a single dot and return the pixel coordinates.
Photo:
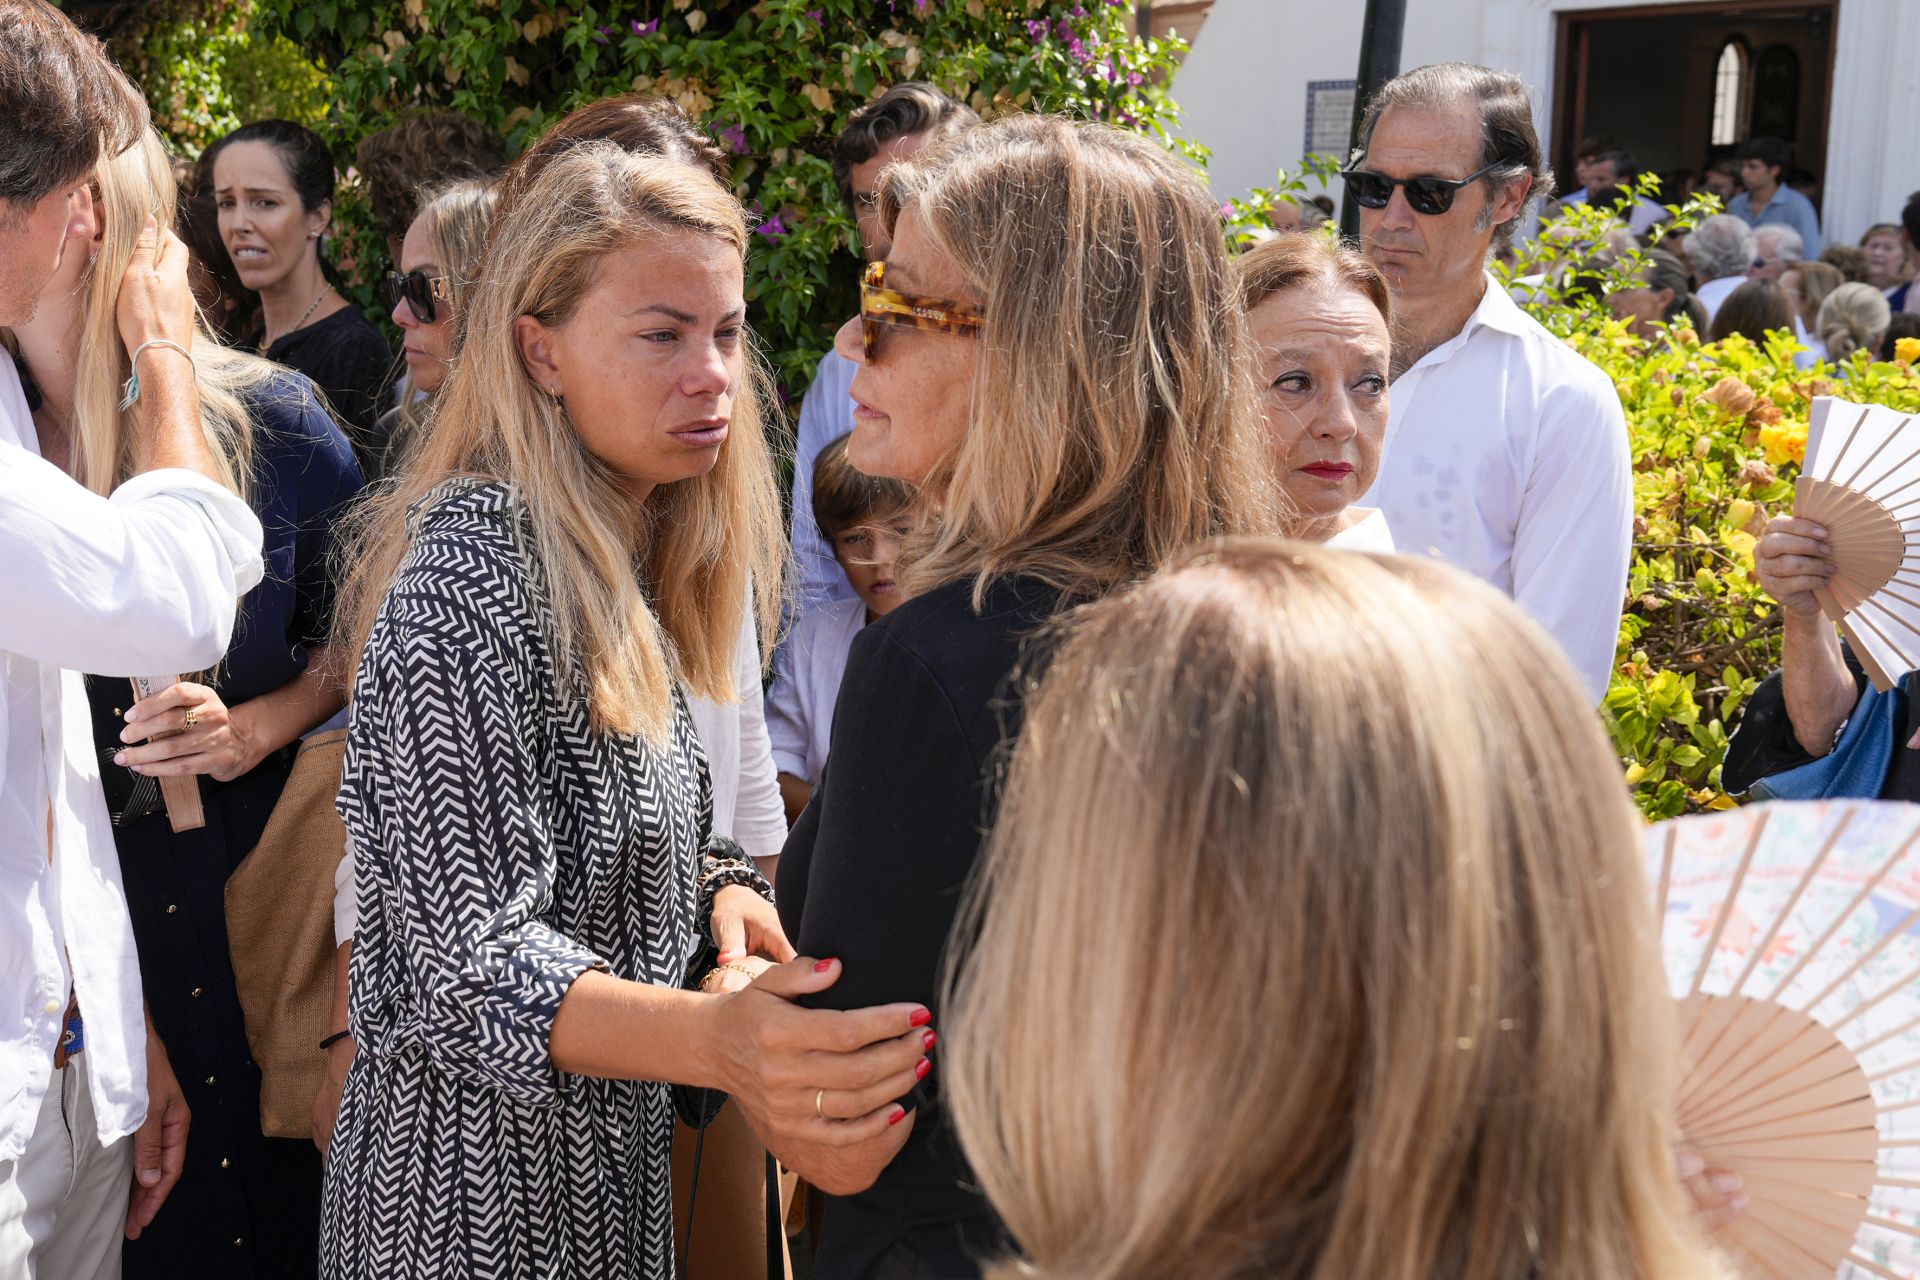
(867, 553)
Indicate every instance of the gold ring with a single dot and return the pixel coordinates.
(818, 1100)
(193, 717)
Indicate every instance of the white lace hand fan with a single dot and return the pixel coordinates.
(1791, 934)
(1861, 481)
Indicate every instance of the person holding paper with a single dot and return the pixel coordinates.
(144, 581)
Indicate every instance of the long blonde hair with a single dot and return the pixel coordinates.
(133, 186)
(1313, 944)
(1113, 419)
(641, 594)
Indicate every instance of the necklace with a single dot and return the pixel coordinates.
(325, 289)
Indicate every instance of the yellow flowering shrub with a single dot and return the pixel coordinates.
(1718, 433)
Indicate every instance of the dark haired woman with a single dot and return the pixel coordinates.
(273, 189)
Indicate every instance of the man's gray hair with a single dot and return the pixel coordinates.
(1776, 241)
(1508, 139)
(1721, 246)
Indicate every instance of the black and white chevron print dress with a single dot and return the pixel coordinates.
(503, 848)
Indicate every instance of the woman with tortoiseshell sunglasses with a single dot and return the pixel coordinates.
(1053, 355)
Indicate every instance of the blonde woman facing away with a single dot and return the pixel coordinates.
(1321, 319)
(573, 542)
(1054, 357)
(1265, 989)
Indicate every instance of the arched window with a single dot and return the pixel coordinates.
(1729, 94)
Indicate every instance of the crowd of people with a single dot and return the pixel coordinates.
(1089, 647)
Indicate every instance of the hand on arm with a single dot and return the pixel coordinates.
(1791, 562)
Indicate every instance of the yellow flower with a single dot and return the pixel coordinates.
(1784, 442)
(1906, 350)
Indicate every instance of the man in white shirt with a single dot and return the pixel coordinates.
(895, 126)
(145, 582)
(1506, 453)
(1721, 251)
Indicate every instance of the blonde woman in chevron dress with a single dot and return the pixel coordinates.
(572, 545)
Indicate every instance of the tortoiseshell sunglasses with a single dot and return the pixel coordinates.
(880, 305)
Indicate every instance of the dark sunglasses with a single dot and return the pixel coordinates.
(421, 291)
(1431, 196)
(880, 305)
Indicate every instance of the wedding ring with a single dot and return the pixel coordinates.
(818, 1100)
(193, 717)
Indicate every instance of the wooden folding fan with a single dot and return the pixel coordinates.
(1861, 482)
(1791, 936)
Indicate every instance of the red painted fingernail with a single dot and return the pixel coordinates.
(897, 1116)
(920, 1018)
(929, 1040)
(821, 966)
(920, 1072)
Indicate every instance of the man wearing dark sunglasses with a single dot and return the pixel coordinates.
(1506, 452)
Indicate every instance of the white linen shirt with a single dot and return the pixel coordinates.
(806, 683)
(145, 582)
(826, 414)
(1506, 455)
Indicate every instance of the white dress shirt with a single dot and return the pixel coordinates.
(826, 414)
(1506, 455)
(1715, 292)
(1369, 533)
(806, 683)
(143, 583)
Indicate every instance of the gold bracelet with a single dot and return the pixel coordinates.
(722, 968)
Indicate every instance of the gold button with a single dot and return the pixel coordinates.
(196, 993)
(209, 1079)
(118, 712)
(171, 908)
(225, 1163)
(238, 1241)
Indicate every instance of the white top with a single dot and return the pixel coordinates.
(1506, 455)
(1370, 534)
(826, 414)
(1714, 292)
(746, 795)
(806, 682)
(143, 583)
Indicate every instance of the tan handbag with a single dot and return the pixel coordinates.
(280, 936)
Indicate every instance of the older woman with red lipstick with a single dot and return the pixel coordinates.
(1321, 320)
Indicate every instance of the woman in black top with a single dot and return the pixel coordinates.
(273, 190)
(1054, 357)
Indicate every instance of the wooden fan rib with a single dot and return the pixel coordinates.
(1865, 1263)
(1862, 1050)
(1830, 1079)
(1867, 957)
(1893, 989)
(1721, 1066)
(1883, 680)
(1893, 433)
(1783, 1073)
(1888, 1224)
(1666, 877)
(1725, 907)
(1786, 1253)
(1820, 1109)
(1846, 447)
(1833, 926)
(1793, 899)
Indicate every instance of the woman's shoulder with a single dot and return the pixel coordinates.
(466, 578)
(956, 639)
(296, 435)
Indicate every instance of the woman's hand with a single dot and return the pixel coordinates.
(734, 975)
(1791, 561)
(745, 924)
(1718, 1196)
(818, 1076)
(207, 736)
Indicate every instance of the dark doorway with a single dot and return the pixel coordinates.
(1679, 85)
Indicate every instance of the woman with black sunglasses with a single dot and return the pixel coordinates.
(439, 259)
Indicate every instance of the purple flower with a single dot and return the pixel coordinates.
(645, 28)
(773, 228)
(920, 7)
(600, 34)
(1037, 30)
(1078, 11)
(1226, 211)
(818, 17)
(1135, 79)
(735, 136)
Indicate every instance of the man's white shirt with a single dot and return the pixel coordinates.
(1506, 455)
(145, 582)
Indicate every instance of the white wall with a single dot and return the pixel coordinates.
(1243, 89)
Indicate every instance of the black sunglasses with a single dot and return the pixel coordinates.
(1431, 196)
(421, 291)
